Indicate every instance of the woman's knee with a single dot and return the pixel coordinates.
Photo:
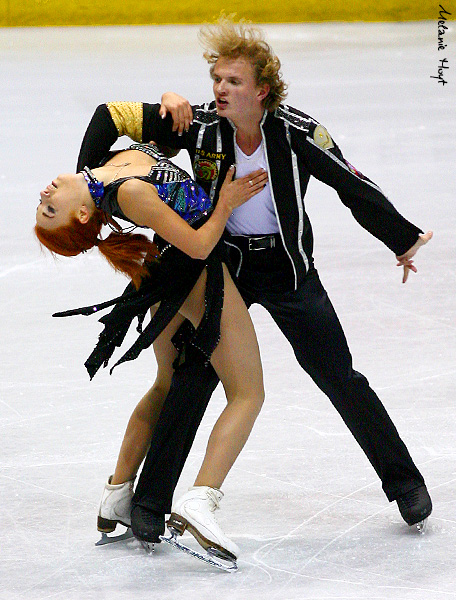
(256, 406)
(260, 399)
(253, 399)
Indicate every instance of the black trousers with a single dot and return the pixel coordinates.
(307, 319)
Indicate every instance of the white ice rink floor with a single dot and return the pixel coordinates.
(302, 501)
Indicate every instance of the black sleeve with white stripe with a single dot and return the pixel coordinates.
(363, 197)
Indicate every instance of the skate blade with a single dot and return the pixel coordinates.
(421, 526)
(106, 539)
(211, 558)
(149, 547)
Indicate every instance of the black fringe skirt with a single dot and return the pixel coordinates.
(169, 282)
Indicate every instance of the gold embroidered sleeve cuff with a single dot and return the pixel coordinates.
(128, 118)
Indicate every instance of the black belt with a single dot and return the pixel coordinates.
(254, 242)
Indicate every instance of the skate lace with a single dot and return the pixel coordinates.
(215, 504)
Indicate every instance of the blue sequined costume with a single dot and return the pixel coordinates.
(170, 279)
(174, 186)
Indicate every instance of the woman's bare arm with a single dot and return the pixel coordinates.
(140, 202)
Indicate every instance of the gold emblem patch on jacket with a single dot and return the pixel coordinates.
(205, 169)
(322, 138)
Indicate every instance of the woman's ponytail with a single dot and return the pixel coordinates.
(128, 253)
(125, 252)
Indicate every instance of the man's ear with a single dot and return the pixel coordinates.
(263, 91)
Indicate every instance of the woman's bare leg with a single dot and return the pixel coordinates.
(142, 422)
(237, 363)
(138, 434)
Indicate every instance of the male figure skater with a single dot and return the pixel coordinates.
(270, 243)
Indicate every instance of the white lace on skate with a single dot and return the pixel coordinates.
(214, 497)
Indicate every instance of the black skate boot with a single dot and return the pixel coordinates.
(147, 525)
(415, 506)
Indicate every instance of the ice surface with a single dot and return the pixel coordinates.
(302, 501)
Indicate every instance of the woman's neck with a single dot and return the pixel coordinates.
(110, 171)
(127, 163)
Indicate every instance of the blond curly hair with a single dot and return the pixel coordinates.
(229, 39)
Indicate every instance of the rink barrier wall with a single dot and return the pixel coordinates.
(36, 13)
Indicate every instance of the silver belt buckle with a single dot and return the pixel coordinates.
(254, 239)
(269, 238)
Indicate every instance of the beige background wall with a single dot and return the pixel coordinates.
(136, 12)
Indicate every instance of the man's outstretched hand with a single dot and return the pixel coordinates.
(405, 260)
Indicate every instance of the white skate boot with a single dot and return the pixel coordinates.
(115, 506)
(194, 511)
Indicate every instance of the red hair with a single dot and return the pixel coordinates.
(125, 252)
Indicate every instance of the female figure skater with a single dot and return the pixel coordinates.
(183, 277)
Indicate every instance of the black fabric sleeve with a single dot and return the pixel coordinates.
(100, 135)
(369, 206)
(160, 130)
(102, 132)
